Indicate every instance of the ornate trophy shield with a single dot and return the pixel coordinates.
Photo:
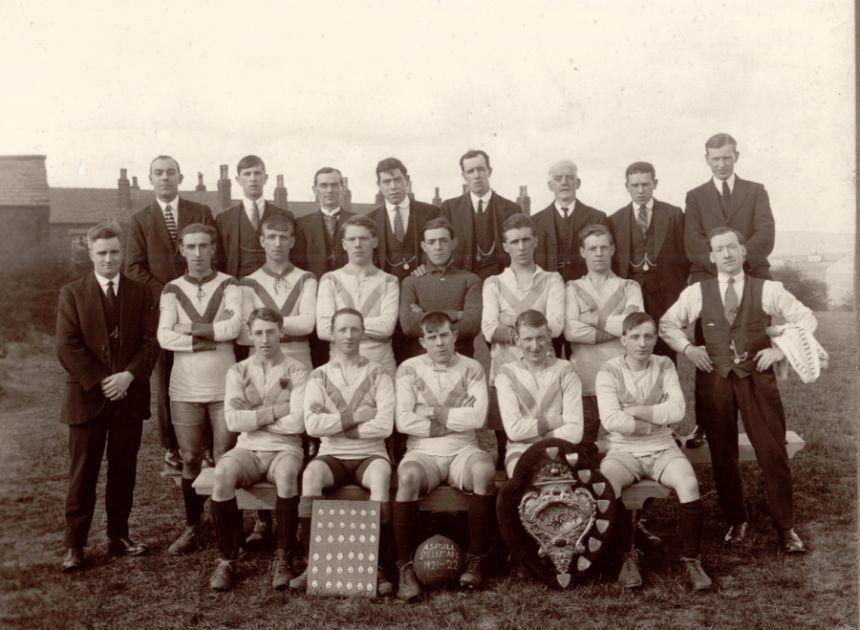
(557, 511)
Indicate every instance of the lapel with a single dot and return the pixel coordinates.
(661, 226)
(317, 232)
(580, 219)
(183, 215)
(742, 189)
(381, 217)
(126, 308)
(714, 202)
(160, 226)
(547, 231)
(96, 314)
(463, 216)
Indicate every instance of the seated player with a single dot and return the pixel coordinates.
(441, 402)
(639, 396)
(349, 405)
(201, 314)
(540, 396)
(264, 402)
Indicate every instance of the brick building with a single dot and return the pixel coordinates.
(24, 209)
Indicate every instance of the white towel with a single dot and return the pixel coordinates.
(802, 351)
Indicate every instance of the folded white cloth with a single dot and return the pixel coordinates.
(802, 351)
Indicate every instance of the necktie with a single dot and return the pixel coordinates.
(480, 207)
(330, 222)
(731, 303)
(642, 218)
(170, 222)
(564, 211)
(727, 197)
(255, 216)
(399, 232)
(111, 296)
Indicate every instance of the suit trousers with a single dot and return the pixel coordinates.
(163, 367)
(121, 434)
(757, 398)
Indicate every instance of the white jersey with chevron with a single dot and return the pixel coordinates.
(431, 404)
(593, 318)
(292, 294)
(538, 405)
(619, 387)
(504, 300)
(200, 358)
(376, 295)
(345, 392)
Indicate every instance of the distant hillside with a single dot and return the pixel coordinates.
(792, 243)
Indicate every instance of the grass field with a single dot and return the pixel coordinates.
(756, 586)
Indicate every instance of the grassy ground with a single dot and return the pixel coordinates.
(757, 586)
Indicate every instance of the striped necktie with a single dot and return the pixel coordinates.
(170, 222)
(642, 218)
(399, 232)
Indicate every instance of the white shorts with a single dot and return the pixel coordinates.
(441, 469)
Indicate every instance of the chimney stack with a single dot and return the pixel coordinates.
(524, 201)
(124, 190)
(134, 184)
(437, 200)
(201, 187)
(224, 195)
(281, 193)
(346, 201)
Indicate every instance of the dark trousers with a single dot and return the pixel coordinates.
(590, 420)
(757, 398)
(163, 367)
(562, 347)
(87, 441)
(319, 350)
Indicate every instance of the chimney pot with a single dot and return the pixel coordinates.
(224, 169)
(134, 183)
(123, 173)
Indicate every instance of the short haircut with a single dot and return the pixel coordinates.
(346, 311)
(595, 229)
(636, 319)
(437, 224)
(471, 153)
(279, 221)
(104, 230)
(164, 157)
(434, 320)
(719, 140)
(640, 167)
(250, 161)
(197, 228)
(389, 165)
(724, 229)
(325, 170)
(265, 314)
(565, 163)
(515, 222)
(359, 220)
(530, 318)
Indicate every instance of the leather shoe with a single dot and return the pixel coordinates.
(126, 547)
(629, 576)
(697, 441)
(791, 542)
(696, 576)
(73, 560)
(736, 534)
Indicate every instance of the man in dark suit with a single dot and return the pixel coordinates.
(557, 229)
(725, 200)
(477, 216)
(322, 250)
(106, 342)
(153, 258)
(649, 245)
(399, 220)
(238, 250)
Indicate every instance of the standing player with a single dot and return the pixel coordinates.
(596, 306)
(441, 402)
(539, 395)
(264, 405)
(362, 286)
(639, 396)
(349, 405)
(201, 314)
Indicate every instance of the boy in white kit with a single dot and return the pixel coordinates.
(441, 402)
(201, 314)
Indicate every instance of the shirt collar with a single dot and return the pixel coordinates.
(330, 213)
(441, 368)
(248, 204)
(475, 199)
(723, 278)
(570, 208)
(718, 183)
(649, 205)
(174, 204)
(403, 205)
(103, 282)
(432, 268)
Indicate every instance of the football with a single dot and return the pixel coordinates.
(438, 561)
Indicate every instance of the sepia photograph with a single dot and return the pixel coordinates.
(468, 314)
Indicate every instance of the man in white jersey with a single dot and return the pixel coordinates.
(349, 405)
(264, 396)
(441, 402)
(362, 286)
(521, 286)
(201, 314)
(639, 396)
(539, 394)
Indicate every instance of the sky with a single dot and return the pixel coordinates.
(105, 85)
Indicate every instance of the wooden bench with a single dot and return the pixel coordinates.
(261, 496)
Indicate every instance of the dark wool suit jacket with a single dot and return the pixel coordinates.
(749, 214)
(459, 212)
(311, 254)
(419, 214)
(229, 245)
(84, 351)
(550, 246)
(151, 257)
(672, 266)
